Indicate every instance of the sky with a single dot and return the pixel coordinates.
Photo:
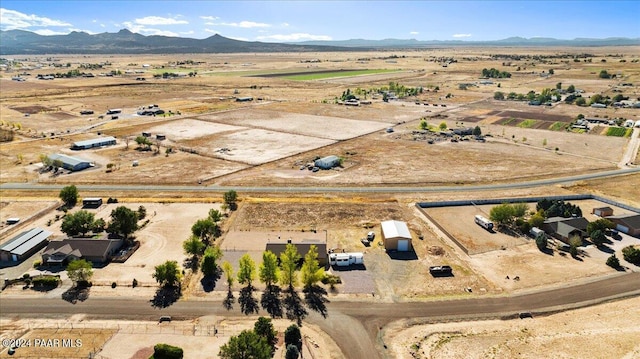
(293, 21)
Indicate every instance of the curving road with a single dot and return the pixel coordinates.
(302, 189)
(354, 326)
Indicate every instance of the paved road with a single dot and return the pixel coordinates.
(632, 149)
(353, 325)
(302, 189)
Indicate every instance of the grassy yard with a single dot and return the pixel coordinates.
(527, 123)
(616, 131)
(558, 126)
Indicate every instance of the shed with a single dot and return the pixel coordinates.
(92, 202)
(70, 163)
(396, 236)
(96, 142)
(303, 248)
(244, 99)
(603, 211)
(328, 162)
(24, 245)
(627, 223)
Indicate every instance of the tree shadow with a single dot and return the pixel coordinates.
(403, 256)
(209, 282)
(271, 301)
(166, 296)
(77, 293)
(229, 300)
(293, 306)
(548, 251)
(315, 297)
(248, 304)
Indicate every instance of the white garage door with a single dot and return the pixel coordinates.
(403, 245)
(623, 229)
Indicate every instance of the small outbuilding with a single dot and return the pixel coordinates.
(24, 245)
(327, 163)
(70, 163)
(603, 211)
(92, 202)
(396, 236)
(96, 142)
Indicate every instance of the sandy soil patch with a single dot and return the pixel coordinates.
(189, 129)
(333, 128)
(25, 210)
(567, 335)
(63, 342)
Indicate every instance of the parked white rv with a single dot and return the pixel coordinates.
(346, 259)
(484, 223)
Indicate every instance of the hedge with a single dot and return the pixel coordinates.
(166, 351)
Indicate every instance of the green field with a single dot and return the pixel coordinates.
(616, 131)
(527, 123)
(326, 75)
(558, 126)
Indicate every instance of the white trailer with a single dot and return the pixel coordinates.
(484, 223)
(346, 259)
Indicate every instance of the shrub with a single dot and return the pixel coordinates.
(46, 281)
(613, 262)
(166, 351)
(134, 283)
(114, 284)
(631, 255)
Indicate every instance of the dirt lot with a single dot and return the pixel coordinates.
(566, 335)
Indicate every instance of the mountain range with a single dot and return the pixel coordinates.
(127, 42)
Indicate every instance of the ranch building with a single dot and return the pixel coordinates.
(24, 245)
(70, 163)
(96, 142)
(327, 163)
(627, 223)
(396, 236)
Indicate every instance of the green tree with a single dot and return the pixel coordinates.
(443, 126)
(520, 209)
(210, 259)
(264, 328)
(601, 224)
(571, 89)
(79, 222)
(574, 243)
(580, 101)
(269, 271)
(166, 351)
(98, 225)
(205, 229)
(502, 214)
(289, 260)
(541, 241)
(498, 95)
(246, 270)
(142, 212)
(215, 215)
(292, 336)
(124, 221)
(69, 195)
(537, 220)
(551, 72)
(143, 141)
(247, 345)
(631, 254)
(613, 261)
(423, 124)
(292, 352)
(477, 131)
(597, 237)
(559, 86)
(604, 74)
(311, 271)
(168, 274)
(230, 199)
(80, 270)
(227, 268)
(193, 247)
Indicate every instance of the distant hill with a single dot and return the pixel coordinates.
(126, 42)
(511, 41)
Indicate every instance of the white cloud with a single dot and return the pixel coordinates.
(141, 29)
(242, 24)
(461, 35)
(295, 37)
(49, 32)
(414, 33)
(157, 20)
(80, 30)
(190, 32)
(239, 38)
(210, 31)
(210, 18)
(11, 20)
(284, 24)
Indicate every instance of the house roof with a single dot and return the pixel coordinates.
(629, 219)
(25, 241)
(566, 226)
(71, 161)
(392, 229)
(94, 141)
(84, 247)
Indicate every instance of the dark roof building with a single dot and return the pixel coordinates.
(24, 245)
(71, 163)
(627, 223)
(564, 228)
(94, 250)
